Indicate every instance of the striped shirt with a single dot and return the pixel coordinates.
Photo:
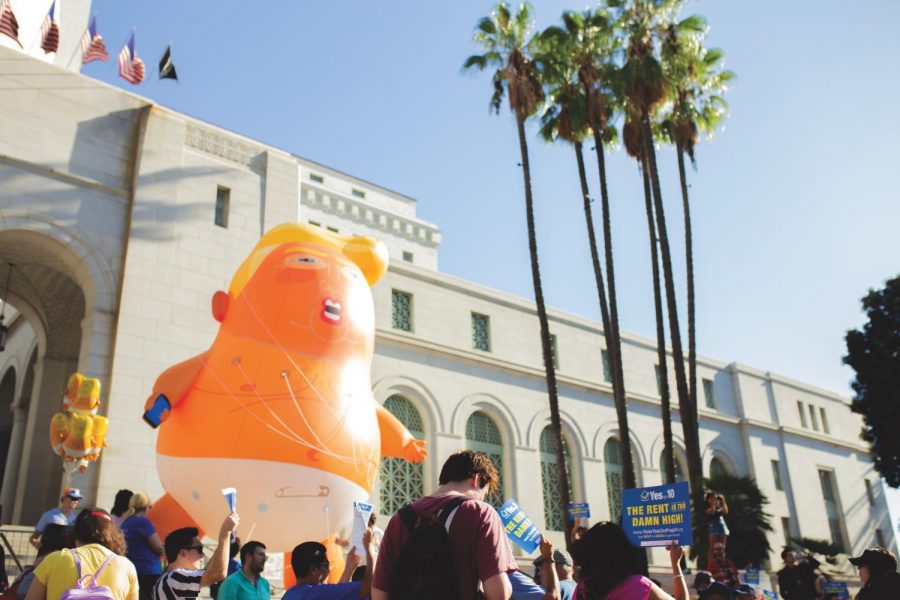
(180, 583)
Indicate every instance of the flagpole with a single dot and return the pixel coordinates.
(39, 33)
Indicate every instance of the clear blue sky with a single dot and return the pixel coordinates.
(795, 205)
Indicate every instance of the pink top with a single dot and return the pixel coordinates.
(633, 587)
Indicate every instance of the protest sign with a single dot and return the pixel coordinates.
(230, 494)
(519, 528)
(582, 510)
(658, 515)
(751, 576)
(361, 513)
(836, 588)
(769, 595)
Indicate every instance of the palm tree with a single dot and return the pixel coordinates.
(576, 110)
(645, 88)
(635, 149)
(696, 82)
(504, 37)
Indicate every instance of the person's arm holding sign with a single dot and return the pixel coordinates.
(549, 577)
(681, 589)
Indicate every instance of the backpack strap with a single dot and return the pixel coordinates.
(80, 582)
(77, 563)
(408, 515)
(448, 508)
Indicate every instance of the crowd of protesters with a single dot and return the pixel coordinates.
(448, 545)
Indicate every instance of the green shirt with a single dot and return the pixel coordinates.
(237, 587)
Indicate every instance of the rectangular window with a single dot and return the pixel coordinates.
(315, 223)
(879, 538)
(358, 193)
(870, 493)
(407, 256)
(401, 310)
(223, 206)
(607, 374)
(316, 178)
(709, 394)
(802, 414)
(812, 417)
(658, 379)
(786, 529)
(832, 509)
(824, 421)
(776, 475)
(332, 229)
(553, 351)
(481, 332)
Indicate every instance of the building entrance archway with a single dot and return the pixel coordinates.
(45, 341)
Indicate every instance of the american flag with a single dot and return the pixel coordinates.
(92, 46)
(8, 24)
(131, 67)
(50, 31)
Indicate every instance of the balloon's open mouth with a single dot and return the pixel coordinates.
(331, 311)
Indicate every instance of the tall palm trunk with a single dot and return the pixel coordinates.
(545, 330)
(615, 349)
(628, 478)
(665, 401)
(688, 421)
(689, 274)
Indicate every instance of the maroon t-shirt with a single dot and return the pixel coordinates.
(477, 539)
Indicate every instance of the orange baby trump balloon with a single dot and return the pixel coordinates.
(280, 407)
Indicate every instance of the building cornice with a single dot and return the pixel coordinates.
(362, 212)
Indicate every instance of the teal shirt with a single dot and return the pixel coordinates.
(237, 587)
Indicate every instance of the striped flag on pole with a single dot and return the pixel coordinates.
(92, 46)
(50, 31)
(131, 67)
(9, 26)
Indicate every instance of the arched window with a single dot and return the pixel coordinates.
(483, 435)
(553, 514)
(716, 468)
(402, 481)
(612, 459)
(679, 471)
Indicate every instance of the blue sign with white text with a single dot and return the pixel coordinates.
(835, 588)
(751, 576)
(658, 515)
(519, 528)
(582, 510)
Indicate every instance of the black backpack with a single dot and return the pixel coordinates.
(425, 567)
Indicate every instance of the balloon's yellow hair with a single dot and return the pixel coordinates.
(369, 254)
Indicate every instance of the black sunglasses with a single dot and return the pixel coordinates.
(198, 547)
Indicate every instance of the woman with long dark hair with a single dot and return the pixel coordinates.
(120, 509)
(609, 569)
(99, 550)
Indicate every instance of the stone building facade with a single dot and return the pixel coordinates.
(122, 218)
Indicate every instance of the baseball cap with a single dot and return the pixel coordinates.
(561, 557)
(716, 588)
(73, 493)
(878, 558)
(702, 578)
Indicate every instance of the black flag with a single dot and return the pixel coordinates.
(166, 66)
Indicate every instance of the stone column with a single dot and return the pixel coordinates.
(40, 471)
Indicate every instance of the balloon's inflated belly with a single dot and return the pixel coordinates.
(279, 503)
